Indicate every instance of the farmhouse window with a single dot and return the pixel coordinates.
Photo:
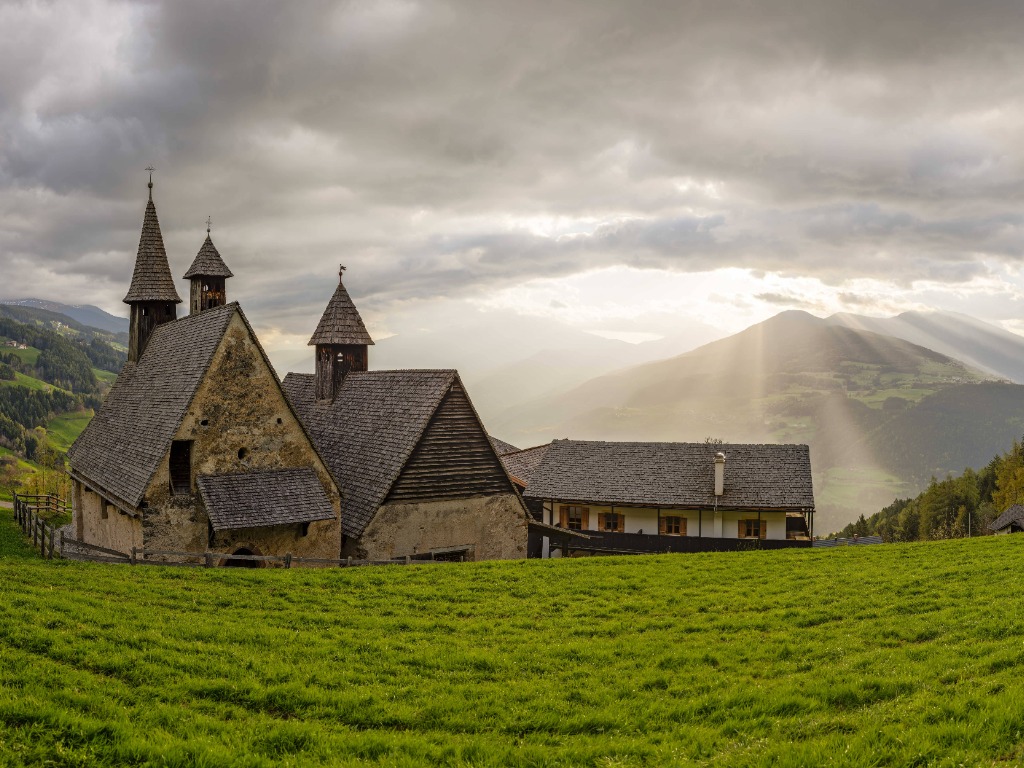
(573, 517)
(673, 525)
(611, 521)
(181, 467)
(752, 529)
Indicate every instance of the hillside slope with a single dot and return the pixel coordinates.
(978, 344)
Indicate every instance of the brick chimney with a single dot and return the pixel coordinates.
(719, 473)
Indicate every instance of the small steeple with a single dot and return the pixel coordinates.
(208, 274)
(341, 342)
(151, 295)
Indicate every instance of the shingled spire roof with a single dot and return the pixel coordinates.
(152, 280)
(341, 323)
(208, 262)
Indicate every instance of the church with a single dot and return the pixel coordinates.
(200, 448)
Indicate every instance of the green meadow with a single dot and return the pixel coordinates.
(888, 655)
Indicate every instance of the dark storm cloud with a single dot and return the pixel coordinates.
(417, 141)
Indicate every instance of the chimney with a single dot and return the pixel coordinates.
(719, 473)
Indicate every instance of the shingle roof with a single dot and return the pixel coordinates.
(522, 464)
(341, 323)
(1014, 514)
(501, 447)
(124, 443)
(367, 433)
(152, 279)
(260, 499)
(208, 262)
(675, 475)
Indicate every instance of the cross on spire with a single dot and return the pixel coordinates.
(150, 168)
(208, 225)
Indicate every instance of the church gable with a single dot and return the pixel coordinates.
(238, 421)
(453, 459)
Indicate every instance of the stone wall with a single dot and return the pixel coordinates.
(495, 526)
(101, 523)
(238, 421)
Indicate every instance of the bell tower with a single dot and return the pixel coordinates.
(341, 343)
(152, 296)
(208, 275)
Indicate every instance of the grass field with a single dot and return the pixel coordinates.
(63, 430)
(887, 655)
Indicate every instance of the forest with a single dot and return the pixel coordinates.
(954, 507)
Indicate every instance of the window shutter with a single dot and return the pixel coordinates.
(586, 519)
(743, 529)
(682, 526)
(661, 526)
(764, 528)
(600, 521)
(621, 523)
(563, 517)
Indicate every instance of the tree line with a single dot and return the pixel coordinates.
(954, 507)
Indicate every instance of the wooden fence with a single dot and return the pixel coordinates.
(33, 514)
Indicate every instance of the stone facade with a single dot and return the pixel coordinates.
(494, 526)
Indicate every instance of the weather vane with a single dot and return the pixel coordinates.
(150, 168)
(208, 225)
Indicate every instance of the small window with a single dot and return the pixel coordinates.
(204, 423)
(752, 529)
(304, 529)
(673, 525)
(243, 452)
(280, 420)
(104, 511)
(574, 518)
(614, 522)
(181, 467)
(145, 311)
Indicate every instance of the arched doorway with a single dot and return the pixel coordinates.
(234, 562)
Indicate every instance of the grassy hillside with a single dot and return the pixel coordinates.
(889, 655)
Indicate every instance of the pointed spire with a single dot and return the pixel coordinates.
(152, 280)
(341, 323)
(208, 262)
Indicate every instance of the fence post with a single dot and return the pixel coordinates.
(208, 557)
(348, 562)
(408, 559)
(132, 560)
(287, 559)
(35, 529)
(53, 532)
(61, 543)
(42, 539)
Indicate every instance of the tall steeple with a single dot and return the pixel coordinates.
(152, 295)
(208, 274)
(341, 342)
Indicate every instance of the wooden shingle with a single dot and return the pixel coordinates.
(677, 475)
(266, 498)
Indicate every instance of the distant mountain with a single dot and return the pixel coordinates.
(798, 378)
(506, 359)
(86, 314)
(976, 343)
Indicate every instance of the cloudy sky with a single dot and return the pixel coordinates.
(633, 169)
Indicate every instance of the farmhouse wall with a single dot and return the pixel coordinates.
(321, 540)
(101, 523)
(494, 525)
(720, 524)
(238, 421)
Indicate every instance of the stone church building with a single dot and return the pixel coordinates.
(199, 447)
